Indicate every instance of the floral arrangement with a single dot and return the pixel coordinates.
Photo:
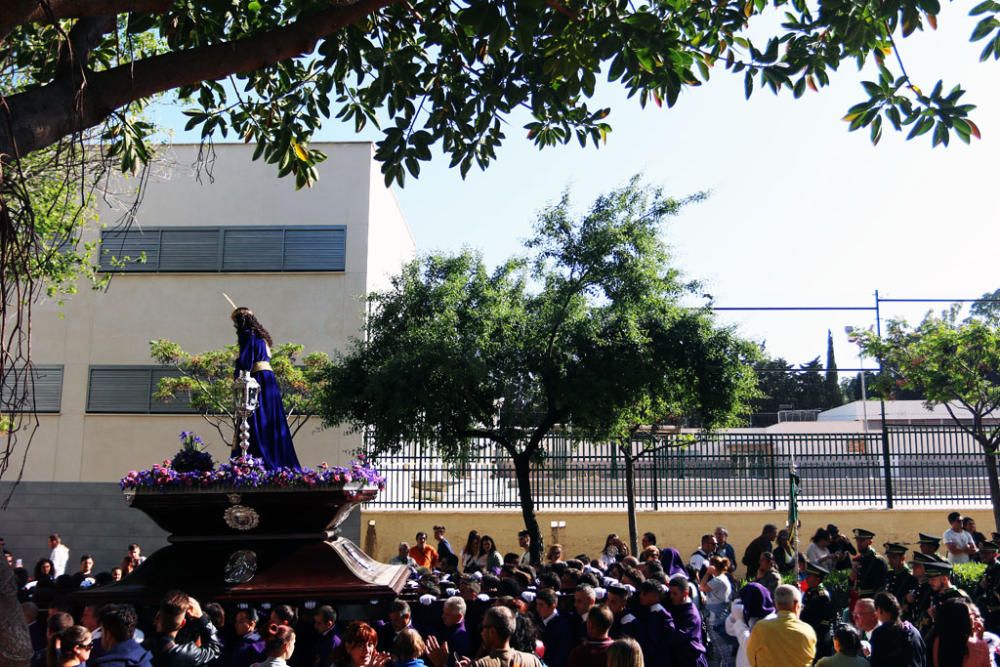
(192, 457)
(250, 472)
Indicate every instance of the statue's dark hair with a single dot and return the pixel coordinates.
(244, 320)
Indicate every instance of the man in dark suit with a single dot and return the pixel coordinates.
(556, 633)
(625, 623)
(324, 619)
(36, 629)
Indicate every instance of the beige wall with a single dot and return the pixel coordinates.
(585, 532)
(322, 311)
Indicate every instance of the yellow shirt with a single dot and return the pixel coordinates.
(784, 641)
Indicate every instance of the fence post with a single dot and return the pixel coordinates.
(886, 462)
(656, 481)
(774, 481)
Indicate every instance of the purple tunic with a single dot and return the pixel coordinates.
(270, 438)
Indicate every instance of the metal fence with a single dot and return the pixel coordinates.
(900, 466)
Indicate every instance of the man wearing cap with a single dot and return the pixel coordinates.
(918, 603)
(870, 569)
(900, 581)
(939, 579)
(817, 609)
(958, 541)
(929, 544)
(987, 595)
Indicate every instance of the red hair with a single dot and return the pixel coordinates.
(360, 632)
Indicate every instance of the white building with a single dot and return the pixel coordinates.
(303, 261)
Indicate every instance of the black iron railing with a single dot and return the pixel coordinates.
(904, 466)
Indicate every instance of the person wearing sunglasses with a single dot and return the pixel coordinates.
(70, 648)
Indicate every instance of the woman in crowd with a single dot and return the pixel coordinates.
(625, 652)
(279, 646)
(784, 553)
(492, 560)
(554, 554)
(69, 648)
(45, 573)
(470, 553)
(818, 552)
(614, 550)
(754, 603)
(847, 643)
(951, 642)
(358, 648)
(717, 590)
(407, 649)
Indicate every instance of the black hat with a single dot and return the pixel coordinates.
(812, 568)
(895, 548)
(920, 558)
(929, 539)
(937, 568)
(989, 547)
(862, 534)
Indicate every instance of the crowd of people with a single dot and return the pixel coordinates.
(655, 608)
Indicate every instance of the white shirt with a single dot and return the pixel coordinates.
(961, 540)
(59, 558)
(699, 559)
(818, 555)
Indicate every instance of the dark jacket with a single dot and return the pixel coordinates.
(249, 649)
(897, 646)
(557, 635)
(128, 653)
(168, 653)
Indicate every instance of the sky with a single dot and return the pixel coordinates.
(801, 213)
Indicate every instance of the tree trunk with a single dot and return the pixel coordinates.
(633, 530)
(15, 643)
(991, 474)
(522, 469)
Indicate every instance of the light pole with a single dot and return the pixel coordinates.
(853, 338)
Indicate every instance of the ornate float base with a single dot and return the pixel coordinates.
(259, 545)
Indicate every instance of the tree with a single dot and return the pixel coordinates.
(953, 363)
(445, 74)
(579, 336)
(988, 308)
(206, 382)
(834, 396)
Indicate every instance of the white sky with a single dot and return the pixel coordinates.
(802, 212)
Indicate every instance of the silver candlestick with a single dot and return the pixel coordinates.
(246, 396)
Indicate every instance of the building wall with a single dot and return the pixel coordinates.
(585, 532)
(320, 310)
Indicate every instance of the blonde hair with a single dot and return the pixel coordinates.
(625, 652)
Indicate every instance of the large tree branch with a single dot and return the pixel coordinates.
(76, 9)
(41, 116)
(16, 13)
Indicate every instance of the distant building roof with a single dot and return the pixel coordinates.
(896, 412)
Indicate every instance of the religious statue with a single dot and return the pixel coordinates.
(270, 438)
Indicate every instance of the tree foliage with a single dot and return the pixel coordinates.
(585, 334)
(952, 363)
(785, 387)
(441, 74)
(206, 381)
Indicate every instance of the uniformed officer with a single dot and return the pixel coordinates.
(918, 603)
(870, 569)
(987, 595)
(939, 580)
(928, 544)
(817, 609)
(900, 581)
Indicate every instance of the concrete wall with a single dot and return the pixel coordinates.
(585, 532)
